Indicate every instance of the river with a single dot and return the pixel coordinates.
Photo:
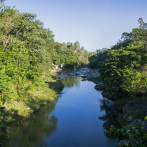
(78, 118)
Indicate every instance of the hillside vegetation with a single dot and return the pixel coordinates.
(123, 66)
(28, 52)
(123, 69)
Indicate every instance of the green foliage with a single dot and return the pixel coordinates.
(124, 66)
(145, 118)
(123, 69)
(27, 49)
(97, 58)
(136, 135)
(70, 55)
(138, 114)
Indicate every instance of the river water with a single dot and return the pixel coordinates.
(78, 118)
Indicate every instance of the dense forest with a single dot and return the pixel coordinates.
(27, 52)
(123, 66)
(123, 69)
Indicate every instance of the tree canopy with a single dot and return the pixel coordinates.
(27, 49)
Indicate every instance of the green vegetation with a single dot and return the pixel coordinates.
(123, 66)
(37, 126)
(96, 80)
(27, 55)
(70, 55)
(96, 59)
(135, 135)
(36, 96)
(123, 69)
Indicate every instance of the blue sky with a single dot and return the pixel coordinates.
(94, 23)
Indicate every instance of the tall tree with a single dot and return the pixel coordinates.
(141, 23)
(1, 4)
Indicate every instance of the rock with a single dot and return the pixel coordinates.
(130, 106)
(100, 86)
(77, 73)
(72, 74)
(123, 142)
(55, 66)
(137, 121)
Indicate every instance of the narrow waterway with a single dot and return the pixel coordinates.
(78, 118)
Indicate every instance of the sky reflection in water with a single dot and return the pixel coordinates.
(77, 119)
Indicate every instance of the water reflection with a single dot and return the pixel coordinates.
(71, 81)
(110, 115)
(33, 130)
(77, 111)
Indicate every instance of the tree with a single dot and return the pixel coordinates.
(77, 45)
(1, 4)
(141, 23)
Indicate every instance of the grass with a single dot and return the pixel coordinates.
(38, 94)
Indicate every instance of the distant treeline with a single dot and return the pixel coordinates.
(123, 67)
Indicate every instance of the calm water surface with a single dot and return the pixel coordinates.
(78, 118)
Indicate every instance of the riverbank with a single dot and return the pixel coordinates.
(134, 115)
(80, 112)
(42, 92)
(46, 89)
(133, 107)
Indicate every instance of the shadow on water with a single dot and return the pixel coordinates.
(32, 131)
(56, 86)
(111, 114)
(41, 124)
(76, 112)
(71, 81)
(64, 82)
